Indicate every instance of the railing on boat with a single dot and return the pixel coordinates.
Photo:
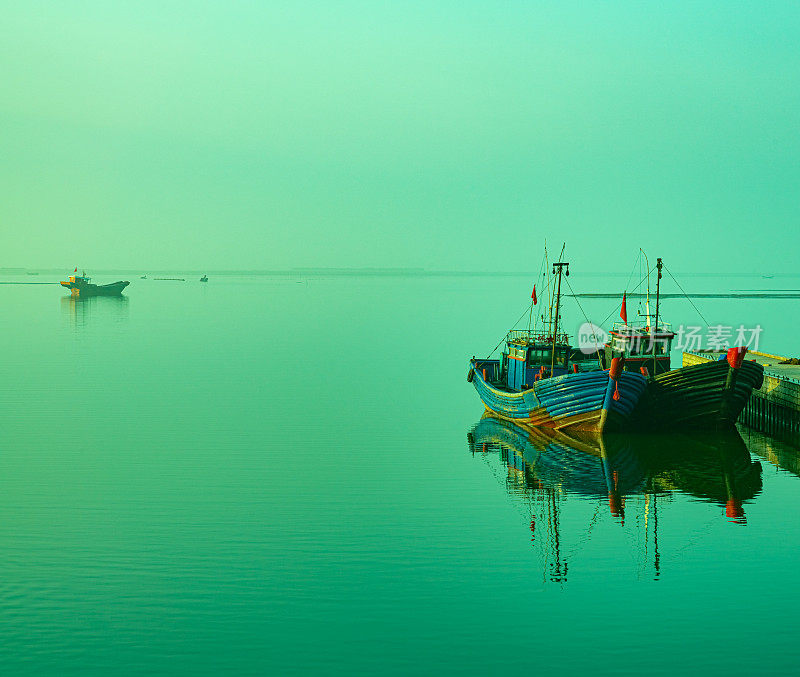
(529, 336)
(663, 327)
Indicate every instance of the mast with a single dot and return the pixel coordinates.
(659, 266)
(647, 302)
(557, 268)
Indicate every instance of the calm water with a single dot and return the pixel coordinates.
(265, 475)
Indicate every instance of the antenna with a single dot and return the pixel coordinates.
(659, 266)
(557, 270)
(647, 303)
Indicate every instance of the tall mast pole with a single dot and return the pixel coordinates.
(557, 268)
(647, 302)
(659, 266)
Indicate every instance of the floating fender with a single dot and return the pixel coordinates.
(616, 368)
(470, 375)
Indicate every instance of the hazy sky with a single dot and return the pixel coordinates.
(446, 135)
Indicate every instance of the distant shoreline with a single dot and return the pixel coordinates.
(354, 272)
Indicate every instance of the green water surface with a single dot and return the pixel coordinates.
(271, 475)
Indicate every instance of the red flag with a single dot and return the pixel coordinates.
(623, 313)
(533, 295)
(76, 270)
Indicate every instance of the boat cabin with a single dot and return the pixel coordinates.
(641, 347)
(528, 357)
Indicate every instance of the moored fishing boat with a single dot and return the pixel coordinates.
(81, 286)
(708, 395)
(534, 384)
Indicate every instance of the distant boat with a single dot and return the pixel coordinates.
(204, 278)
(81, 286)
(31, 273)
(143, 277)
(173, 279)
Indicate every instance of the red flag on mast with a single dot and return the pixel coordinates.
(533, 295)
(623, 312)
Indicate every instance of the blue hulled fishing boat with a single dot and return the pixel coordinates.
(537, 382)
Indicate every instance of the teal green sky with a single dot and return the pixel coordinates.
(446, 135)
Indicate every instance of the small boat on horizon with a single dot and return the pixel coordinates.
(81, 286)
(204, 278)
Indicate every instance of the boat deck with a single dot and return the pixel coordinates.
(771, 363)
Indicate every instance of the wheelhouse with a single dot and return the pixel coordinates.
(642, 347)
(530, 356)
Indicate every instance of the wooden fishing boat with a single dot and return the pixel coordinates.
(709, 395)
(533, 384)
(81, 286)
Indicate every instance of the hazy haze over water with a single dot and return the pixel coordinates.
(443, 135)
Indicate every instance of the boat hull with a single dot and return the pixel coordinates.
(707, 395)
(583, 401)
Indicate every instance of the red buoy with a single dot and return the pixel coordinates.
(616, 368)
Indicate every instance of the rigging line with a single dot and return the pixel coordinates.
(547, 287)
(536, 279)
(687, 297)
(584, 317)
(637, 261)
(619, 305)
(506, 334)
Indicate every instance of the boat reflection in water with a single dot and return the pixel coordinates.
(80, 310)
(545, 467)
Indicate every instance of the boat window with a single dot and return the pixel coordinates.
(516, 352)
(538, 356)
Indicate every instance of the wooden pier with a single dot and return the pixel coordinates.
(775, 408)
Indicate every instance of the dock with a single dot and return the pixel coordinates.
(775, 408)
